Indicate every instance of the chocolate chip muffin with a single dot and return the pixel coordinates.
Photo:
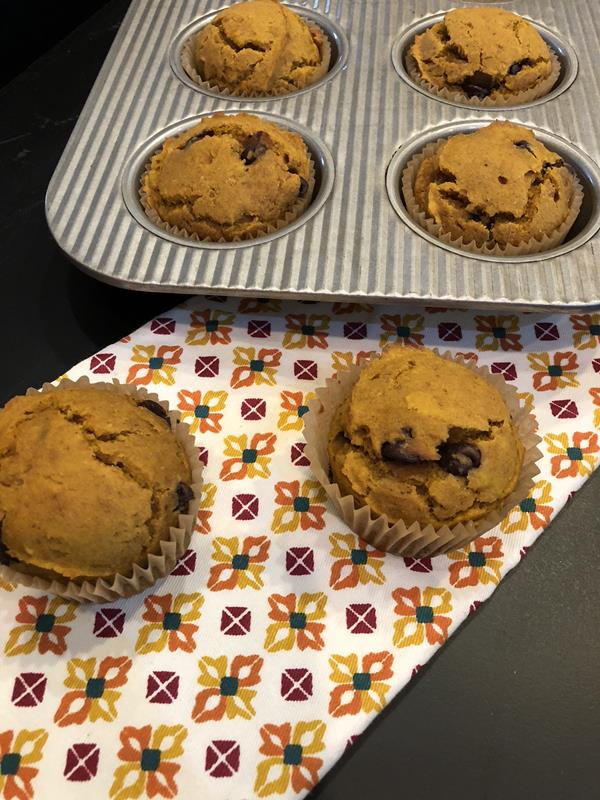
(424, 439)
(498, 186)
(230, 177)
(485, 53)
(260, 47)
(91, 481)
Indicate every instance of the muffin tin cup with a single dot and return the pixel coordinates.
(156, 566)
(415, 539)
(564, 71)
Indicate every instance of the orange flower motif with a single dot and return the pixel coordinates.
(201, 411)
(404, 329)
(290, 758)
(534, 510)
(252, 367)
(42, 629)
(296, 622)
(469, 356)
(341, 361)
(227, 692)
(478, 563)
(202, 522)
(149, 769)
(300, 506)
(359, 689)
(238, 565)
(586, 330)
(422, 616)
(295, 406)
(595, 395)
(556, 375)
(351, 308)
(356, 563)
(210, 327)
(306, 330)
(154, 365)
(17, 753)
(252, 305)
(94, 691)
(573, 459)
(498, 333)
(170, 623)
(247, 460)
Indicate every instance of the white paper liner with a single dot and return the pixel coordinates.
(399, 538)
(501, 98)
(533, 245)
(189, 66)
(155, 566)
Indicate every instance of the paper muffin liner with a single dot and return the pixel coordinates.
(532, 245)
(501, 98)
(415, 539)
(292, 214)
(155, 566)
(189, 66)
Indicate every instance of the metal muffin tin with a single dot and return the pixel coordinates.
(360, 122)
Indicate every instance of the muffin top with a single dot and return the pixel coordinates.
(422, 438)
(259, 47)
(91, 481)
(496, 186)
(229, 177)
(482, 52)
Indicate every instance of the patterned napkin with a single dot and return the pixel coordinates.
(279, 635)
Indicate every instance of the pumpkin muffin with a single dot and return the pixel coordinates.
(484, 53)
(424, 439)
(260, 47)
(230, 177)
(92, 480)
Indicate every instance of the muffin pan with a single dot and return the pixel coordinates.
(359, 122)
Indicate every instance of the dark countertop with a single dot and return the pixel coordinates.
(510, 707)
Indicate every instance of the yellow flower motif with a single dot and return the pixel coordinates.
(299, 506)
(227, 691)
(239, 564)
(247, 459)
(296, 622)
(153, 364)
(527, 400)
(295, 406)
(6, 586)
(306, 330)
(43, 627)
(359, 687)
(291, 758)
(341, 361)
(202, 523)
(355, 563)
(422, 615)
(535, 510)
(17, 772)
(93, 690)
(148, 770)
(171, 623)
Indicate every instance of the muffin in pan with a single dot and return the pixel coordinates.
(484, 56)
(230, 177)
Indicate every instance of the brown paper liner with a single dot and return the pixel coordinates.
(501, 98)
(187, 62)
(532, 245)
(155, 566)
(414, 539)
(292, 214)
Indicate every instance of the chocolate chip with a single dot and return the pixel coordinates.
(155, 408)
(184, 495)
(396, 450)
(479, 84)
(475, 218)
(193, 139)
(255, 146)
(459, 459)
(303, 188)
(523, 145)
(4, 559)
(517, 66)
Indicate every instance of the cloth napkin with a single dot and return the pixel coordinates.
(279, 635)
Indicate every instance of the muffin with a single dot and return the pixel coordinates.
(484, 54)
(92, 482)
(259, 47)
(230, 177)
(424, 439)
(498, 188)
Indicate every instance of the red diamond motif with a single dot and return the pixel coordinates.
(300, 561)
(244, 506)
(506, 369)
(253, 408)
(361, 618)
(29, 689)
(296, 685)
(164, 326)
(305, 370)
(564, 409)
(203, 455)
(186, 564)
(162, 687)
(207, 366)
(82, 762)
(222, 758)
(103, 363)
(297, 455)
(236, 620)
(474, 606)
(546, 331)
(418, 564)
(259, 328)
(416, 669)
(596, 364)
(355, 330)
(352, 740)
(108, 623)
(449, 332)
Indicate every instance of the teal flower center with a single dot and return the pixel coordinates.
(44, 623)
(292, 755)
(403, 331)
(361, 681)
(212, 325)
(499, 333)
(476, 560)
(201, 412)
(94, 687)
(150, 760)
(574, 453)
(595, 330)
(257, 365)
(527, 506)
(424, 614)
(302, 410)
(155, 363)
(229, 686)
(359, 557)
(9, 765)
(171, 621)
(249, 456)
(297, 620)
(240, 561)
(555, 371)
(301, 504)
(308, 330)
